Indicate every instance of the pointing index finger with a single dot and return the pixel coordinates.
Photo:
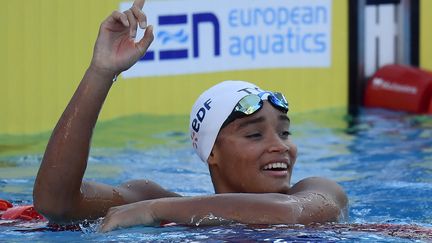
(139, 3)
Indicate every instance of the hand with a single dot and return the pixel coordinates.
(115, 49)
(139, 213)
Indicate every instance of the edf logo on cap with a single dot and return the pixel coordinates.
(199, 117)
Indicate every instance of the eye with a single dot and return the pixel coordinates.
(285, 134)
(254, 135)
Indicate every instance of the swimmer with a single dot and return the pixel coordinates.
(239, 130)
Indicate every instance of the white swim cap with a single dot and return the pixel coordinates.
(210, 111)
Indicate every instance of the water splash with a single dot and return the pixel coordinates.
(211, 219)
(90, 226)
(344, 215)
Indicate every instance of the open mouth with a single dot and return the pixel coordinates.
(277, 166)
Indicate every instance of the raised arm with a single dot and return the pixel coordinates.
(313, 200)
(59, 192)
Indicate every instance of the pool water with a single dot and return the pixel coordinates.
(383, 160)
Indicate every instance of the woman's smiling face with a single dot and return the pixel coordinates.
(254, 154)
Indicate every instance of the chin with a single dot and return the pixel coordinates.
(283, 189)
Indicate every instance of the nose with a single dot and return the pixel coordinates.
(279, 145)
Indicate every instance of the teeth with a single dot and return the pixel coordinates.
(277, 165)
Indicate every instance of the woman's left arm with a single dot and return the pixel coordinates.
(313, 204)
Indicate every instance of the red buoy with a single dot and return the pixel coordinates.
(400, 87)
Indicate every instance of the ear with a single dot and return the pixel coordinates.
(213, 157)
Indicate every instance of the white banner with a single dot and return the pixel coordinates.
(196, 36)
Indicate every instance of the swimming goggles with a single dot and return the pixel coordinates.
(252, 103)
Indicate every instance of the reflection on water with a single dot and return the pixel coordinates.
(383, 160)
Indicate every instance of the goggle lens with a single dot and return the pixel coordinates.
(251, 103)
(278, 100)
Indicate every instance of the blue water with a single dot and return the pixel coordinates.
(382, 159)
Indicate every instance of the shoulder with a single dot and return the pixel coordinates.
(323, 186)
